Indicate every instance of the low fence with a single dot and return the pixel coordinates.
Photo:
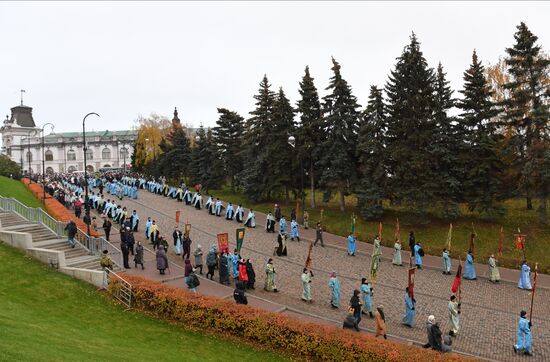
(118, 287)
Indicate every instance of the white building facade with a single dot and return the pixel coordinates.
(63, 152)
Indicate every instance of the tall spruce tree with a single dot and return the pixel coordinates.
(371, 154)
(255, 176)
(310, 134)
(339, 160)
(281, 168)
(483, 169)
(445, 148)
(176, 154)
(205, 166)
(528, 114)
(411, 129)
(228, 136)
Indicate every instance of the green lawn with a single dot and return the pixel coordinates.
(48, 316)
(432, 232)
(15, 189)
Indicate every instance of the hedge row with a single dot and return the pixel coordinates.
(55, 208)
(271, 330)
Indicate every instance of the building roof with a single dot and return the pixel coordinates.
(22, 115)
(103, 134)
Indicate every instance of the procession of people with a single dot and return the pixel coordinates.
(233, 269)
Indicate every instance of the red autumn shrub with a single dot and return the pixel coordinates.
(55, 208)
(272, 330)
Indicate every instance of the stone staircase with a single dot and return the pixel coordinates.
(44, 238)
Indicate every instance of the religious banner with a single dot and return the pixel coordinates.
(374, 264)
(223, 241)
(380, 231)
(177, 216)
(239, 237)
(520, 240)
(471, 245)
(458, 278)
(187, 229)
(449, 237)
(397, 235)
(412, 273)
(353, 224)
(500, 241)
(308, 259)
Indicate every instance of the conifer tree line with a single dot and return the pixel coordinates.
(416, 143)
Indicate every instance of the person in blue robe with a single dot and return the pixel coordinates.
(410, 306)
(171, 192)
(235, 257)
(148, 224)
(198, 202)
(187, 197)
(282, 225)
(134, 218)
(469, 269)
(351, 245)
(219, 207)
(446, 262)
(239, 214)
(294, 230)
(250, 219)
(334, 285)
(417, 256)
(134, 192)
(523, 332)
(229, 213)
(366, 293)
(525, 276)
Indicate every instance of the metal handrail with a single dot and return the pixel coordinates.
(124, 293)
(93, 245)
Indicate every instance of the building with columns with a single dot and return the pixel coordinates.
(63, 152)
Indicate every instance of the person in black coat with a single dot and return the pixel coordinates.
(125, 253)
(224, 271)
(186, 243)
(239, 293)
(130, 241)
(251, 275)
(412, 242)
(355, 304)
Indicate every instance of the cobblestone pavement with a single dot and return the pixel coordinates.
(489, 312)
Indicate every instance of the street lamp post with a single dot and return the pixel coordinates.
(44, 164)
(87, 204)
(292, 143)
(29, 151)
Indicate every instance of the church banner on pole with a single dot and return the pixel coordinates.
(239, 237)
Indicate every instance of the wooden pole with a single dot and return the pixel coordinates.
(533, 291)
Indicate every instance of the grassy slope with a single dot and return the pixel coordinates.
(15, 189)
(48, 316)
(432, 234)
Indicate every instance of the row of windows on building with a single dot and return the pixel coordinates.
(71, 155)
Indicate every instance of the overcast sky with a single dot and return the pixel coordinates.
(127, 59)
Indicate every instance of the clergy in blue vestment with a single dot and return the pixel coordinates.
(446, 262)
(525, 277)
(235, 257)
(148, 224)
(134, 219)
(469, 269)
(410, 306)
(294, 230)
(229, 212)
(366, 293)
(334, 285)
(418, 254)
(134, 192)
(523, 344)
(239, 214)
(250, 219)
(187, 197)
(282, 225)
(219, 207)
(351, 245)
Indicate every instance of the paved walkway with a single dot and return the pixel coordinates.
(489, 312)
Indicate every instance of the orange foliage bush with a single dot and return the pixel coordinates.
(55, 208)
(272, 330)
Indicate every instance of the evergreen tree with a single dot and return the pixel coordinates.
(255, 176)
(528, 114)
(228, 136)
(411, 129)
(310, 134)
(483, 168)
(371, 153)
(176, 154)
(445, 148)
(339, 159)
(281, 169)
(205, 166)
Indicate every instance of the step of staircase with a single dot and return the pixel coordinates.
(38, 232)
(10, 219)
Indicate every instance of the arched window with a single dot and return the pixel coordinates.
(29, 157)
(106, 153)
(49, 156)
(49, 170)
(123, 153)
(106, 166)
(90, 168)
(71, 169)
(71, 156)
(89, 154)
